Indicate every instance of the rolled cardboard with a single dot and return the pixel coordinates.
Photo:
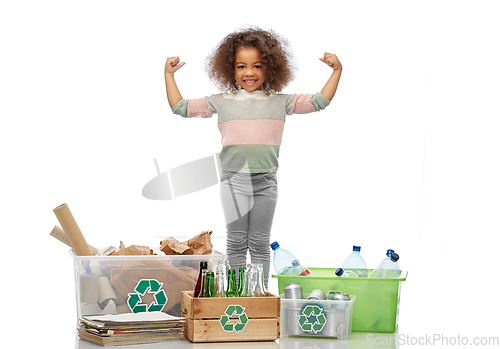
(60, 235)
(73, 233)
(110, 308)
(89, 288)
(106, 291)
(91, 309)
(95, 268)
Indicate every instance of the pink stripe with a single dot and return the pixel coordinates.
(260, 131)
(198, 107)
(302, 104)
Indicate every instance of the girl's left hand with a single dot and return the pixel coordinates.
(331, 60)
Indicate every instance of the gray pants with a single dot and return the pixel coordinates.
(249, 202)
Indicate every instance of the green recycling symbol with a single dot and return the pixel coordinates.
(147, 286)
(312, 319)
(242, 319)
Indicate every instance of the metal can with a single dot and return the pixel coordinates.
(334, 318)
(317, 294)
(292, 322)
(293, 291)
(335, 295)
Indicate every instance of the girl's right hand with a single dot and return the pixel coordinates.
(173, 65)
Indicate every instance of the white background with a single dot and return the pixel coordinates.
(405, 157)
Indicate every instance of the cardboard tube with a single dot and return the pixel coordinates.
(60, 235)
(73, 233)
(89, 288)
(91, 309)
(106, 291)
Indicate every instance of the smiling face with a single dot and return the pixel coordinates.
(249, 69)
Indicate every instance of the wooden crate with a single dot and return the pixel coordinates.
(221, 320)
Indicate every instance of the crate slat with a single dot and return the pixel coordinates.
(209, 308)
(211, 331)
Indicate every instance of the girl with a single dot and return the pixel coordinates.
(251, 65)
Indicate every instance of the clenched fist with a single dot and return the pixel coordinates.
(173, 65)
(331, 60)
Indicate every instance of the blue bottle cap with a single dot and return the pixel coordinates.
(356, 248)
(275, 245)
(389, 252)
(394, 257)
(339, 271)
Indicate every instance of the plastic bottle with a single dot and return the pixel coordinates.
(355, 263)
(345, 273)
(388, 268)
(298, 269)
(286, 263)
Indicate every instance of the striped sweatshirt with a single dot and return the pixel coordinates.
(251, 124)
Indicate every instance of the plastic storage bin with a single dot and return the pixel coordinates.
(313, 318)
(131, 284)
(377, 300)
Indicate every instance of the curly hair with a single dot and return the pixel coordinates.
(274, 50)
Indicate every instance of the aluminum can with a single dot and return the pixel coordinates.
(317, 294)
(293, 291)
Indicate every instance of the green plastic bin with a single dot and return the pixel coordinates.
(377, 305)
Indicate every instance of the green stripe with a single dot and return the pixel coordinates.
(250, 158)
(181, 108)
(319, 101)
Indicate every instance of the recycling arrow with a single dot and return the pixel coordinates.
(312, 319)
(231, 310)
(147, 286)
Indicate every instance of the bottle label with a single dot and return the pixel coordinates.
(305, 273)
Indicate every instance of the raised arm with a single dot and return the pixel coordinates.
(331, 85)
(173, 94)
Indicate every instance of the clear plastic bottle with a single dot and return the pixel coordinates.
(286, 263)
(298, 269)
(355, 263)
(345, 273)
(388, 268)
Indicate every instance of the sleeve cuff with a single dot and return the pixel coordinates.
(319, 101)
(181, 108)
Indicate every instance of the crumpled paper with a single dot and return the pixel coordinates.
(200, 244)
(132, 250)
(125, 274)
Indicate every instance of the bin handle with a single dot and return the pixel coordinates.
(329, 295)
(403, 275)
